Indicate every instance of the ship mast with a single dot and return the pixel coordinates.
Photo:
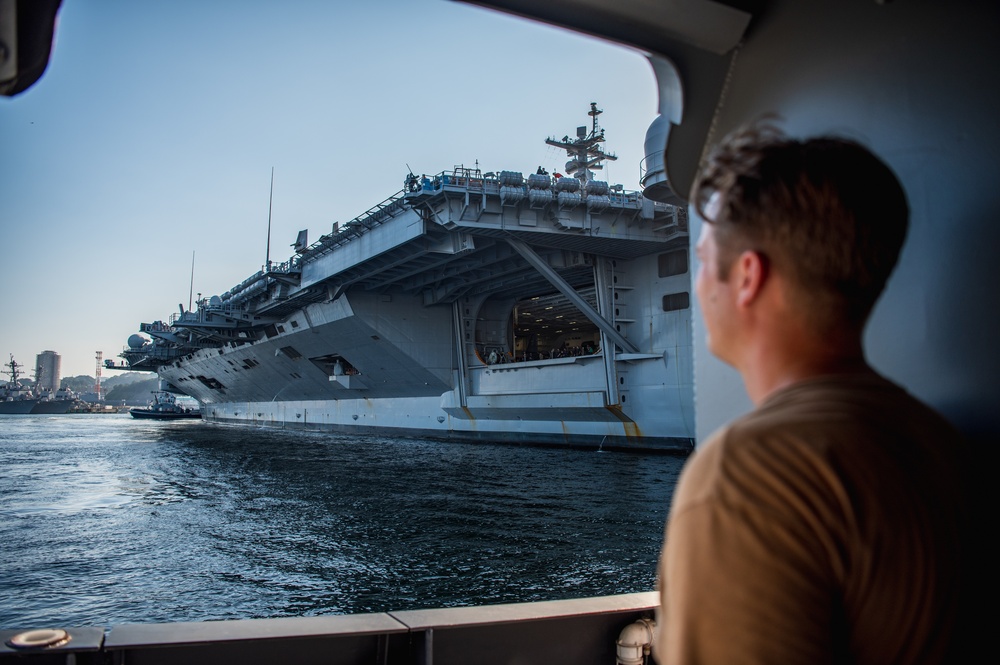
(585, 152)
(14, 374)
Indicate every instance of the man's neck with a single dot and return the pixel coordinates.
(779, 363)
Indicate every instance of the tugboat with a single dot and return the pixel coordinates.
(164, 406)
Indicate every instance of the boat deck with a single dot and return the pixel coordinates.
(579, 631)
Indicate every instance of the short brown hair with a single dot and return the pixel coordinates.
(825, 211)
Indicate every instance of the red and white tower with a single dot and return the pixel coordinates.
(97, 383)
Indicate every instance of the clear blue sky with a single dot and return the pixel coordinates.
(153, 133)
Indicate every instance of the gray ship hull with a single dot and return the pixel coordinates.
(403, 386)
(527, 419)
(17, 407)
(52, 406)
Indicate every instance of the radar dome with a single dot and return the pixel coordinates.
(215, 301)
(136, 341)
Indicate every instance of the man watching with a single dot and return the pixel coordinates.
(827, 524)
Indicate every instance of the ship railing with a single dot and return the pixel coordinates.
(154, 351)
(462, 178)
(369, 219)
(253, 289)
(459, 178)
(253, 284)
(161, 352)
(292, 265)
(242, 286)
(155, 326)
(579, 630)
(258, 282)
(651, 166)
(227, 308)
(181, 319)
(623, 199)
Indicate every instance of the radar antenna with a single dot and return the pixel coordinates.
(585, 153)
(12, 372)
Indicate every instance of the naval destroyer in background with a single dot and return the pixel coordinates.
(42, 398)
(496, 306)
(15, 397)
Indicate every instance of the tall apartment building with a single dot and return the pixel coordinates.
(47, 370)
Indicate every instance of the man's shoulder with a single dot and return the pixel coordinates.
(816, 429)
(832, 402)
(845, 406)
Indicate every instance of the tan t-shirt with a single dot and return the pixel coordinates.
(823, 527)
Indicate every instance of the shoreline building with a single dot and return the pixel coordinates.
(47, 371)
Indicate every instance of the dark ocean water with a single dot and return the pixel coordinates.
(107, 520)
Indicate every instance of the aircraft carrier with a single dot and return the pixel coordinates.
(540, 308)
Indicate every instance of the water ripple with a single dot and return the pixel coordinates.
(107, 520)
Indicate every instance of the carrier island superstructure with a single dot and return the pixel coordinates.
(543, 308)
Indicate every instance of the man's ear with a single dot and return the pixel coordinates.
(752, 272)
